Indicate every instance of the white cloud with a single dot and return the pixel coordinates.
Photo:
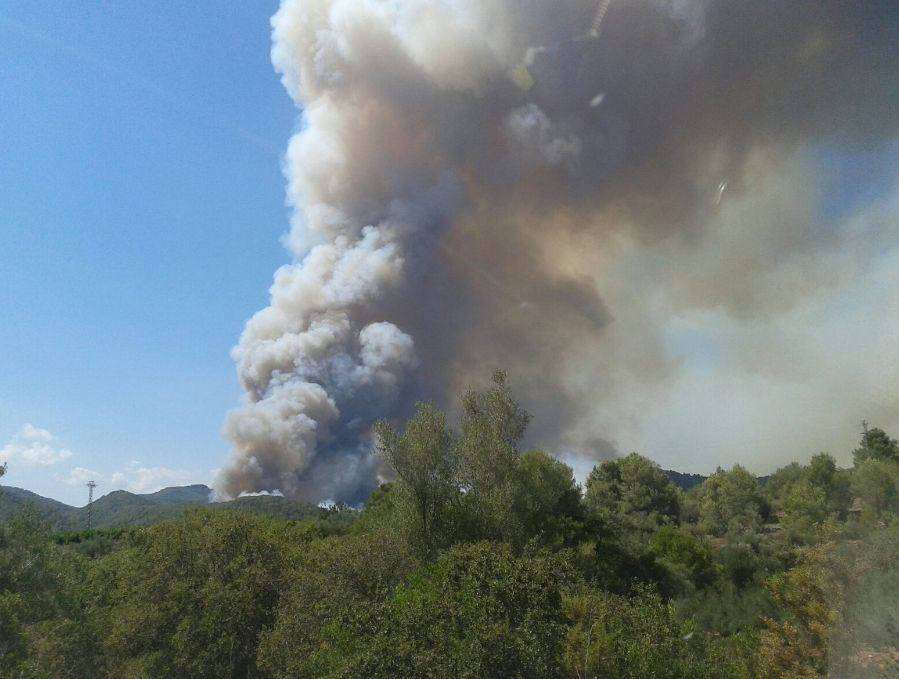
(32, 433)
(34, 446)
(81, 475)
(140, 479)
(136, 478)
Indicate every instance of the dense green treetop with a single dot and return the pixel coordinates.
(876, 445)
(632, 488)
(731, 500)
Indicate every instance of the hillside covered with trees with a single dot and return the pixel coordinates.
(482, 560)
(122, 509)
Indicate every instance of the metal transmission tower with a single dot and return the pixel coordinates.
(90, 503)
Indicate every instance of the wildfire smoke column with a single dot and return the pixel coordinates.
(448, 219)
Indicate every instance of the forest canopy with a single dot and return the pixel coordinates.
(482, 559)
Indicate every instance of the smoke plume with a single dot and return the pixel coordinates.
(500, 183)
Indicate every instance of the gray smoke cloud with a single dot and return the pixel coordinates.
(500, 183)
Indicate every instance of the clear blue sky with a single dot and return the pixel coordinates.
(141, 205)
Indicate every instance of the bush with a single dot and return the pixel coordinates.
(478, 611)
(641, 637)
(192, 597)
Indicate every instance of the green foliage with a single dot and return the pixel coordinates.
(822, 471)
(632, 491)
(731, 500)
(478, 611)
(25, 555)
(475, 485)
(834, 484)
(876, 445)
(688, 560)
(63, 648)
(797, 646)
(97, 542)
(493, 424)
(639, 637)
(876, 484)
(380, 511)
(425, 461)
(809, 495)
(334, 589)
(607, 564)
(685, 482)
(547, 501)
(838, 611)
(477, 560)
(11, 643)
(869, 623)
(15, 500)
(780, 482)
(38, 597)
(728, 609)
(805, 511)
(745, 557)
(491, 429)
(121, 509)
(193, 597)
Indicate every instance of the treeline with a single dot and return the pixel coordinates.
(481, 560)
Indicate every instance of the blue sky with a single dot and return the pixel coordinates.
(141, 206)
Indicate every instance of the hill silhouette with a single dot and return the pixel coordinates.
(122, 508)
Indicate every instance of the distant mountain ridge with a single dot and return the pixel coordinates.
(121, 508)
(11, 499)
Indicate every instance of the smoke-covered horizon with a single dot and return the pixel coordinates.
(630, 206)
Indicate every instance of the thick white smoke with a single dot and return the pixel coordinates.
(500, 183)
(308, 362)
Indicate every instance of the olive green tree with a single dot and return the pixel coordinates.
(633, 491)
(478, 611)
(876, 445)
(192, 597)
(730, 500)
(547, 500)
(426, 465)
(876, 485)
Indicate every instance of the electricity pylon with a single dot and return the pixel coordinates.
(90, 503)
